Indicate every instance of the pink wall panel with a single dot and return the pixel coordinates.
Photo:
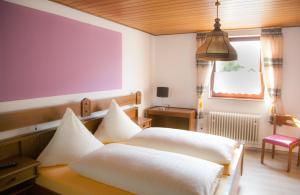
(43, 54)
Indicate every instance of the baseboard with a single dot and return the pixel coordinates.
(269, 150)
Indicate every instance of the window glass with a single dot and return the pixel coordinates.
(240, 78)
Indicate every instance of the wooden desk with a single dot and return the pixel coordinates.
(180, 118)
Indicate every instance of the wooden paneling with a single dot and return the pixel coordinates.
(101, 104)
(24, 118)
(159, 17)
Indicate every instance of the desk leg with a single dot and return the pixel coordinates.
(192, 124)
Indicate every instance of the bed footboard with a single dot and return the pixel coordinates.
(229, 185)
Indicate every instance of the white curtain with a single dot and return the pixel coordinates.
(203, 75)
(272, 53)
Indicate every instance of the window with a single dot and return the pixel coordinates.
(241, 78)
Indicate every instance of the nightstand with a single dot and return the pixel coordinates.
(17, 179)
(143, 122)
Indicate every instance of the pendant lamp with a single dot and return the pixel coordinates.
(217, 46)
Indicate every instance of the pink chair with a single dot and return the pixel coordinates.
(282, 140)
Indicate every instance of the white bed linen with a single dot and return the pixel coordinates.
(147, 171)
(71, 141)
(116, 126)
(205, 146)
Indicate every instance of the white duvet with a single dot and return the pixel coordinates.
(205, 146)
(147, 171)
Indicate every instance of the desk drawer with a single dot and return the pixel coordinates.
(16, 178)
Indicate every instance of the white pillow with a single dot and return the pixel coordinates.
(205, 146)
(71, 141)
(116, 126)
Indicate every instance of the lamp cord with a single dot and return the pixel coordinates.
(217, 24)
(217, 4)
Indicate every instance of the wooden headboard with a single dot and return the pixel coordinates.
(33, 143)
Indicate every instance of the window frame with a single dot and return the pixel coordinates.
(259, 96)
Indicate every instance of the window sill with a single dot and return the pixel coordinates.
(237, 99)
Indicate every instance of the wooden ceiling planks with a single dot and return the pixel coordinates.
(159, 17)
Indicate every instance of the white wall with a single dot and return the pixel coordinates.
(175, 67)
(136, 62)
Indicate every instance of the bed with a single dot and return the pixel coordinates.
(63, 180)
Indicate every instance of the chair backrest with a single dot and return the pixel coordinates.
(287, 120)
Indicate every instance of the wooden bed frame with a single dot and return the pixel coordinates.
(229, 185)
(32, 144)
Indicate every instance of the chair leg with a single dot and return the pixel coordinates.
(298, 161)
(273, 151)
(262, 152)
(242, 163)
(290, 159)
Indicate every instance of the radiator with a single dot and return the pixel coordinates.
(241, 127)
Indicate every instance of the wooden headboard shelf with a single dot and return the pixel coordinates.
(25, 118)
(32, 144)
(132, 99)
(89, 106)
(93, 123)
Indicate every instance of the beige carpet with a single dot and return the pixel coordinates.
(270, 178)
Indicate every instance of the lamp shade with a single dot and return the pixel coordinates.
(162, 92)
(217, 47)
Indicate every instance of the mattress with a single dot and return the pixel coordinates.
(62, 180)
